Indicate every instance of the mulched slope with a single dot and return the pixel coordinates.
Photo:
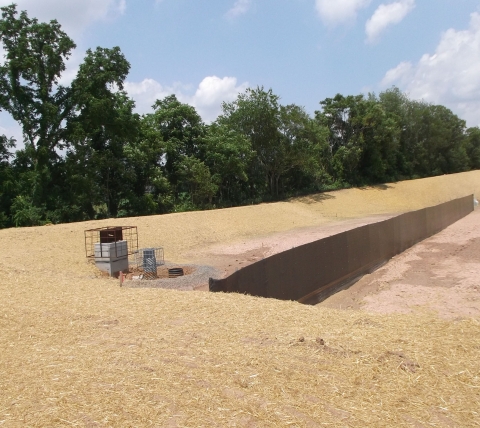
(78, 350)
(104, 356)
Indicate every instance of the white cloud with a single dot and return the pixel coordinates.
(397, 74)
(211, 92)
(335, 12)
(74, 16)
(450, 76)
(146, 92)
(239, 8)
(385, 15)
(207, 99)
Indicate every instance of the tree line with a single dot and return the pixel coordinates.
(88, 155)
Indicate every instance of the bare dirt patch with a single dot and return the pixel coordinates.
(441, 274)
(227, 258)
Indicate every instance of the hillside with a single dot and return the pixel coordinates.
(78, 350)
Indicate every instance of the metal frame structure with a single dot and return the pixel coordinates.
(111, 234)
(148, 260)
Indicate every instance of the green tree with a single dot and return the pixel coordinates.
(403, 112)
(438, 139)
(24, 213)
(447, 141)
(255, 114)
(35, 55)
(432, 140)
(277, 135)
(304, 145)
(380, 138)
(151, 192)
(181, 129)
(7, 180)
(344, 119)
(92, 118)
(103, 124)
(228, 155)
(473, 146)
(196, 177)
(363, 138)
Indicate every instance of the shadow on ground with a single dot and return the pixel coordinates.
(315, 198)
(377, 186)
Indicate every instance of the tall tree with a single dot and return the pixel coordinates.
(151, 192)
(473, 146)
(181, 128)
(275, 133)
(255, 114)
(228, 155)
(7, 181)
(104, 123)
(343, 116)
(304, 145)
(380, 138)
(432, 140)
(35, 55)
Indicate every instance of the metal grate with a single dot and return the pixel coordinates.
(175, 272)
(108, 235)
(148, 260)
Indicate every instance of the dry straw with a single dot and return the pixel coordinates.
(125, 357)
(78, 350)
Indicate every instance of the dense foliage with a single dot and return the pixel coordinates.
(87, 155)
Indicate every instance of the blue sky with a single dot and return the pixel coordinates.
(305, 50)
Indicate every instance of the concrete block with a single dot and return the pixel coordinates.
(112, 267)
(111, 250)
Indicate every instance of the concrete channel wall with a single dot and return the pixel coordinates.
(312, 272)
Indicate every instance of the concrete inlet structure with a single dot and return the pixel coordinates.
(110, 247)
(111, 257)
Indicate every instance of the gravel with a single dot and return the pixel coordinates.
(198, 277)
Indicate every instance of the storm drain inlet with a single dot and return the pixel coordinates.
(175, 272)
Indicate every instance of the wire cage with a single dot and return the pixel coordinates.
(119, 235)
(148, 260)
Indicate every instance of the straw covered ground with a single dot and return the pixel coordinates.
(78, 350)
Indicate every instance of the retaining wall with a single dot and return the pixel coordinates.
(312, 272)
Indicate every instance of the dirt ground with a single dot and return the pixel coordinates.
(79, 350)
(440, 273)
(227, 258)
